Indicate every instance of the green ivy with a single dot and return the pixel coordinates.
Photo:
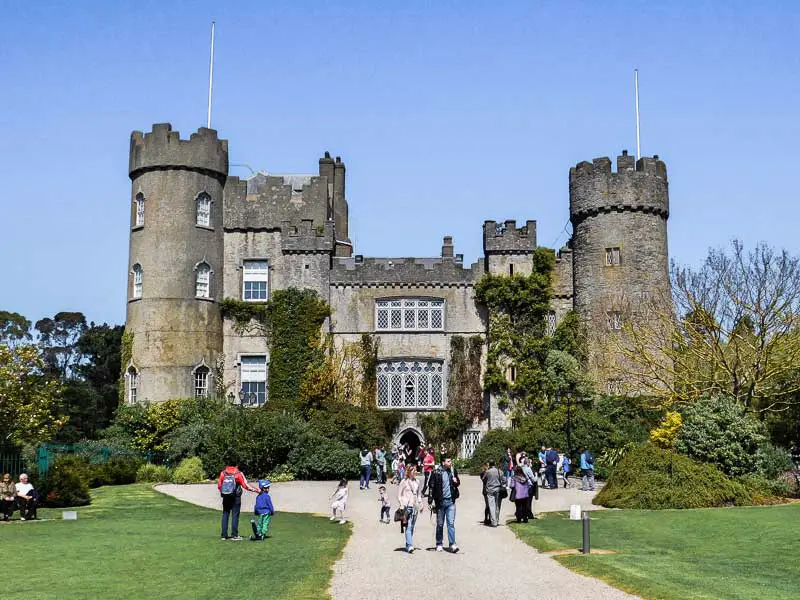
(464, 390)
(126, 354)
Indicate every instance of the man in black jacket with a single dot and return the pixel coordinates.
(442, 494)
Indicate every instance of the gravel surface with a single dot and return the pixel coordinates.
(491, 563)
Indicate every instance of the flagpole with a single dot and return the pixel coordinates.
(210, 75)
(636, 88)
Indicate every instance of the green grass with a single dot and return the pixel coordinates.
(133, 542)
(737, 553)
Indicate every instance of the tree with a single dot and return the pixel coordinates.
(28, 399)
(58, 338)
(14, 328)
(101, 345)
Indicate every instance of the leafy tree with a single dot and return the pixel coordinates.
(58, 339)
(100, 345)
(14, 328)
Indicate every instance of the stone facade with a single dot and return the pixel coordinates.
(296, 227)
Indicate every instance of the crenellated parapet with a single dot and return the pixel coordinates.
(421, 272)
(562, 274)
(507, 238)
(163, 148)
(307, 238)
(636, 186)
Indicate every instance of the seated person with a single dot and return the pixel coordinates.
(27, 498)
(8, 491)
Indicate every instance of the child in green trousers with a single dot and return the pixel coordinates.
(264, 511)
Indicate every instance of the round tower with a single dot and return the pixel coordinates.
(175, 263)
(620, 259)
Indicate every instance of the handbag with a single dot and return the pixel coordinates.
(502, 492)
(400, 515)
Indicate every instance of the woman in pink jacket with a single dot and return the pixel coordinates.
(409, 498)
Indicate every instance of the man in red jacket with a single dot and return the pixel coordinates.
(230, 484)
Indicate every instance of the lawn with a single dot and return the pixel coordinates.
(737, 553)
(133, 542)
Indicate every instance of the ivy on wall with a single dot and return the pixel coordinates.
(464, 391)
(125, 356)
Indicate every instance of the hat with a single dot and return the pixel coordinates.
(263, 483)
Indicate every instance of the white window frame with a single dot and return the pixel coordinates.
(202, 280)
(249, 376)
(202, 206)
(409, 314)
(138, 281)
(139, 206)
(411, 384)
(200, 377)
(133, 384)
(254, 275)
(613, 256)
(614, 387)
(614, 320)
(469, 441)
(550, 325)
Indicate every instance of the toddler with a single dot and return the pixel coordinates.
(385, 504)
(339, 502)
(264, 511)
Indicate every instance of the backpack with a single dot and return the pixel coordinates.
(229, 484)
(589, 458)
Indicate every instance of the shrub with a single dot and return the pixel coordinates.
(771, 461)
(666, 433)
(115, 471)
(150, 473)
(190, 470)
(318, 457)
(718, 431)
(653, 478)
(355, 426)
(493, 447)
(66, 482)
(765, 490)
(281, 474)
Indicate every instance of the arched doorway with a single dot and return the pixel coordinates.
(411, 436)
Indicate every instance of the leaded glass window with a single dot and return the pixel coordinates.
(550, 325)
(255, 278)
(203, 204)
(201, 382)
(139, 219)
(133, 385)
(137, 280)
(203, 281)
(612, 257)
(411, 384)
(470, 441)
(409, 314)
(614, 320)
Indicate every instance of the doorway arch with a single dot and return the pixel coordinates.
(412, 435)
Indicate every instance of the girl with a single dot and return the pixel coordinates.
(519, 494)
(408, 496)
(339, 503)
(565, 470)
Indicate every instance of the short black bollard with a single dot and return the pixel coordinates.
(585, 523)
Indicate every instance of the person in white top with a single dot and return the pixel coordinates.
(26, 498)
(408, 496)
(339, 502)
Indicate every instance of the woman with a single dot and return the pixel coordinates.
(508, 465)
(7, 492)
(520, 492)
(408, 496)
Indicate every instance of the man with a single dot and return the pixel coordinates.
(230, 484)
(587, 468)
(366, 469)
(442, 494)
(380, 462)
(542, 452)
(493, 480)
(528, 471)
(26, 498)
(550, 466)
(428, 464)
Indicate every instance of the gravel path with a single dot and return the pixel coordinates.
(491, 563)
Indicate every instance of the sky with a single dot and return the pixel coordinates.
(446, 113)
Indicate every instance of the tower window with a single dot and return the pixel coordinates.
(201, 382)
(511, 373)
(203, 280)
(614, 387)
(139, 217)
(550, 325)
(511, 269)
(254, 380)
(133, 384)
(137, 280)
(612, 257)
(255, 280)
(203, 205)
(614, 320)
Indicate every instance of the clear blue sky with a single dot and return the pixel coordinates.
(446, 113)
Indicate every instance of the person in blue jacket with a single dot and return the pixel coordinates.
(264, 511)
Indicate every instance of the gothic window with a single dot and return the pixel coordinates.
(203, 205)
(137, 280)
(409, 314)
(550, 325)
(614, 320)
(614, 387)
(139, 217)
(255, 280)
(133, 384)
(612, 257)
(411, 384)
(470, 441)
(254, 380)
(202, 285)
(201, 382)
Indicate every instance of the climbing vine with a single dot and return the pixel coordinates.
(125, 356)
(464, 390)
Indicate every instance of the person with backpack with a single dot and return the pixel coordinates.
(551, 462)
(565, 465)
(442, 495)
(230, 484)
(365, 457)
(587, 468)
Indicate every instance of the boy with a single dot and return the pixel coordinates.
(385, 504)
(264, 511)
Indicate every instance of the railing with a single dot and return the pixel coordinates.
(11, 462)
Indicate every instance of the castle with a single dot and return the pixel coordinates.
(198, 235)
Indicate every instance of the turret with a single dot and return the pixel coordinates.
(508, 249)
(175, 262)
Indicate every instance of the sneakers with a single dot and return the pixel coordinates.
(410, 549)
(224, 539)
(342, 522)
(454, 548)
(236, 538)
(332, 518)
(439, 549)
(256, 538)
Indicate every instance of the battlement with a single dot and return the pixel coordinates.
(433, 272)
(507, 238)
(163, 148)
(636, 186)
(307, 238)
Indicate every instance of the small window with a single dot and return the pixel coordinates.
(612, 257)
(203, 204)
(511, 269)
(201, 382)
(203, 280)
(255, 280)
(614, 320)
(614, 387)
(254, 380)
(133, 384)
(139, 217)
(550, 325)
(511, 373)
(137, 280)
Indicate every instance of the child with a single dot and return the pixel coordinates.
(401, 471)
(565, 470)
(395, 469)
(264, 511)
(339, 503)
(385, 504)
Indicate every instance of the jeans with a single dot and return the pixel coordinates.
(550, 475)
(588, 480)
(381, 473)
(231, 505)
(509, 475)
(412, 522)
(8, 508)
(446, 511)
(366, 475)
(425, 485)
(493, 504)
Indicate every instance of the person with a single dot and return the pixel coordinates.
(380, 464)
(420, 458)
(395, 470)
(540, 470)
(587, 468)
(551, 460)
(366, 469)
(401, 470)
(386, 506)
(263, 511)
(408, 497)
(27, 498)
(493, 481)
(7, 493)
(442, 495)
(408, 454)
(508, 465)
(520, 492)
(339, 502)
(534, 489)
(428, 464)
(565, 462)
(230, 483)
